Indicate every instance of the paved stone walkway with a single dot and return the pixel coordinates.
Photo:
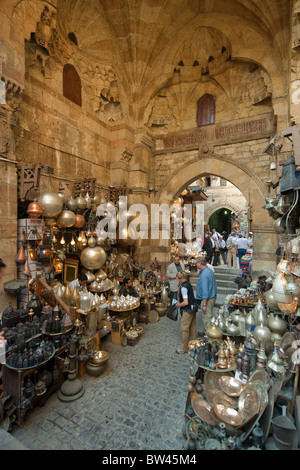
(138, 403)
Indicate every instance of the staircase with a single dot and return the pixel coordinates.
(225, 282)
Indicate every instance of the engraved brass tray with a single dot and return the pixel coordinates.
(228, 415)
(204, 411)
(230, 386)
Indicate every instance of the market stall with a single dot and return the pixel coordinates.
(54, 334)
(244, 372)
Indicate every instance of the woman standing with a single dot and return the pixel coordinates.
(188, 305)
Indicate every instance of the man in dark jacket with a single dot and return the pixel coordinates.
(188, 305)
(209, 246)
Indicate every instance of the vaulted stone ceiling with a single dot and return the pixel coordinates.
(145, 40)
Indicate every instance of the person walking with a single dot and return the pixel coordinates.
(206, 291)
(188, 305)
(209, 246)
(231, 249)
(171, 273)
(241, 247)
(222, 249)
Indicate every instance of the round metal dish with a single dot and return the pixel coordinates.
(217, 397)
(228, 415)
(260, 387)
(249, 403)
(211, 379)
(153, 316)
(204, 411)
(230, 386)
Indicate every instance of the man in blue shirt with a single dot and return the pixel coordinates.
(206, 291)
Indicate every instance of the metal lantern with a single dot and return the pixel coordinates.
(34, 210)
(52, 204)
(93, 258)
(66, 219)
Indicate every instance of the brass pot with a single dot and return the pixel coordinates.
(97, 365)
(52, 204)
(161, 309)
(93, 258)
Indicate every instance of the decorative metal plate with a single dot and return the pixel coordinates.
(204, 411)
(231, 386)
(228, 415)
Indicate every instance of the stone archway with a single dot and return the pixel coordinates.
(215, 207)
(251, 186)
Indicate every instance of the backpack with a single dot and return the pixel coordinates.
(229, 243)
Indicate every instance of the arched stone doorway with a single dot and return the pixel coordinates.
(253, 189)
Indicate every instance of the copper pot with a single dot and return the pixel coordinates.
(34, 210)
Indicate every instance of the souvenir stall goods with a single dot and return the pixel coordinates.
(241, 367)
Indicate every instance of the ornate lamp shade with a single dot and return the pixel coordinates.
(52, 204)
(34, 209)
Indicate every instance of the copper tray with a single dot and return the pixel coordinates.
(217, 397)
(204, 411)
(228, 415)
(249, 403)
(230, 386)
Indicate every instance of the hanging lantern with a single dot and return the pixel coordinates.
(52, 204)
(26, 270)
(66, 219)
(79, 221)
(21, 256)
(33, 237)
(62, 240)
(34, 210)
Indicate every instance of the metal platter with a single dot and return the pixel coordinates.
(153, 316)
(204, 411)
(228, 415)
(230, 386)
(217, 397)
(260, 387)
(249, 403)
(211, 379)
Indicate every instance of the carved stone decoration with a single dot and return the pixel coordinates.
(28, 178)
(126, 155)
(162, 114)
(86, 186)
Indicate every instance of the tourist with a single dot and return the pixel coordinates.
(171, 273)
(209, 246)
(188, 306)
(206, 291)
(241, 247)
(127, 288)
(222, 249)
(250, 242)
(231, 250)
(208, 264)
